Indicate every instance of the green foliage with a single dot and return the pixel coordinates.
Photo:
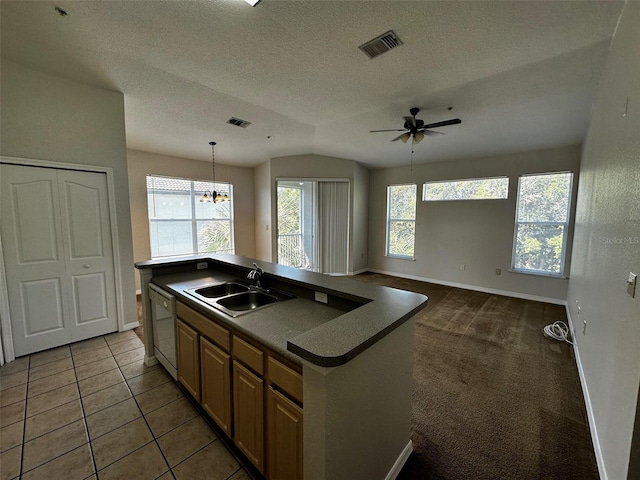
(401, 219)
(214, 236)
(289, 210)
(475, 189)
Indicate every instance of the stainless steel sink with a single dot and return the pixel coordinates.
(247, 301)
(236, 299)
(221, 290)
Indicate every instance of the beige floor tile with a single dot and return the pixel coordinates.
(10, 461)
(13, 380)
(241, 475)
(158, 397)
(170, 416)
(11, 436)
(130, 356)
(91, 356)
(185, 440)
(52, 419)
(126, 346)
(99, 382)
(112, 417)
(137, 368)
(145, 463)
(117, 444)
(75, 465)
(118, 337)
(53, 444)
(105, 398)
(12, 413)
(13, 395)
(87, 345)
(17, 365)
(148, 381)
(94, 368)
(52, 382)
(49, 356)
(41, 371)
(213, 462)
(52, 399)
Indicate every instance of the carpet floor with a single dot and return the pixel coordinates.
(493, 398)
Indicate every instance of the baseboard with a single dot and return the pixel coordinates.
(138, 292)
(358, 272)
(400, 461)
(587, 400)
(494, 291)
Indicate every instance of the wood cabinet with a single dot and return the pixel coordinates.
(215, 367)
(248, 414)
(188, 358)
(284, 437)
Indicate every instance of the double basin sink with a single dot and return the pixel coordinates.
(234, 298)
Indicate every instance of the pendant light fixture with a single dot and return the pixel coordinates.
(213, 195)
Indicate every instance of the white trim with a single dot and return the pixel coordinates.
(111, 193)
(400, 461)
(7, 353)
(495, 291)
(358, 272)
(587, 400)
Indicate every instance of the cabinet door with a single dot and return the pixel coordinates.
(284, 435)
(188, 358)
(248, 414)
(215, 366)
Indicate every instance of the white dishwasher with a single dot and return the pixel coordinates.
(163, 319)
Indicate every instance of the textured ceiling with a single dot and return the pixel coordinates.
(521, 75)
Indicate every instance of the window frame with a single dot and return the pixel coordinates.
(565, 225)
(195, 195)
(499, 177)
(389, 220)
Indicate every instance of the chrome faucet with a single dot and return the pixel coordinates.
(256, 274)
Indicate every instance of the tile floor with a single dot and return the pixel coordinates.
(93, 410)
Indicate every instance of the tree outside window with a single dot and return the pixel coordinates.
(401, 220)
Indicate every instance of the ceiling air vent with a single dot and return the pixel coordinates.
(381, 44)
(238, 123)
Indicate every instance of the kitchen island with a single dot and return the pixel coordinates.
(352, 343)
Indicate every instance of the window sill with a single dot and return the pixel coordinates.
(539, 274)
(400, 257)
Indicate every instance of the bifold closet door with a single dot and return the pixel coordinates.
(58, 256)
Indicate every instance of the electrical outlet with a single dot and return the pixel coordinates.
(631, 284)
(498, 271)
(462, 266)
(202, 265)
(321, 297)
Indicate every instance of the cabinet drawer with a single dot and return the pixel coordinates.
(251, 356)
(285, 378)
(205, 326)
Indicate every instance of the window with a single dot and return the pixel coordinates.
(472, 189)
(401, 220)
(542, 219)
(179, 224)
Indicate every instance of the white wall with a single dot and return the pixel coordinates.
(50, 118)
(476, 233)
(607, 247)
(140, 164)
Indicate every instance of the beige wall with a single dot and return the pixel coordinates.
(478, 233)
(606, 249)
(141, 164)
(263, 216)
(49, 118)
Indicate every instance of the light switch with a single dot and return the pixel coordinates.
(631, 284)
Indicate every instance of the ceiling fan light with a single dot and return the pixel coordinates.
(418, 137)
(405, 138)
(204, 198)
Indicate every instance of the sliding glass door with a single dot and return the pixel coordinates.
(313, 225)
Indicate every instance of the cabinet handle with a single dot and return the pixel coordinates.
(86, 265)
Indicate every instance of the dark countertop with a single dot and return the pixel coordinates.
(325, 335)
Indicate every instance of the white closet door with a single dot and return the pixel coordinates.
(58, 256)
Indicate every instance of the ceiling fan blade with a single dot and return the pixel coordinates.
(392, 130)
(431, 133)
(453, 121)
(404, 137)
(411, 121)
